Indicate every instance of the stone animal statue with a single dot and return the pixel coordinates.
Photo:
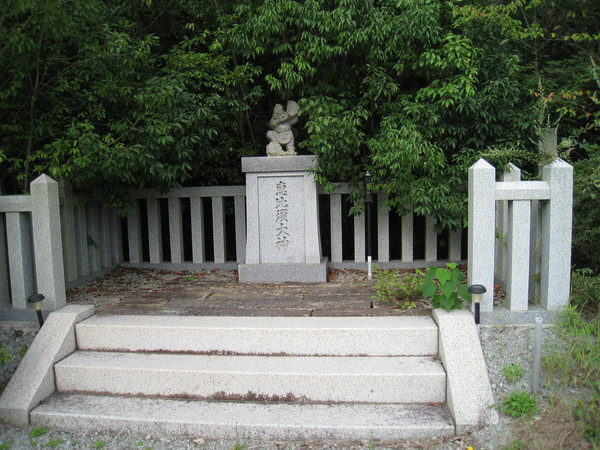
(281, 134)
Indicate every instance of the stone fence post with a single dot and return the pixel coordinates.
(47, 242)
(4, 290)
(557, 222)
(482, 223)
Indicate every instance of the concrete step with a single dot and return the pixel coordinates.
(399, 379)
(231, 420)
(373, 336)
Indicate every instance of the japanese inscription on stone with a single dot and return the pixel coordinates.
(281, 215)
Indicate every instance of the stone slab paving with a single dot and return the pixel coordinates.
(156, 292)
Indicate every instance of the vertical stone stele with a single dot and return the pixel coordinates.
(283, 241)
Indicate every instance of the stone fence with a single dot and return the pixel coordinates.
(520, 235)
(29, 222)
(48, 242)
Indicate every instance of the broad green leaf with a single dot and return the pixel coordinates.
(463, 292)
(443, 275)
(429, 288)
(447, 289)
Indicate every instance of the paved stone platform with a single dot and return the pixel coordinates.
(218, 293)
(257, 299)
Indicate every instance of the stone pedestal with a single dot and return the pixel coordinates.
(283, 240)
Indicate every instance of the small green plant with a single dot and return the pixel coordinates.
(23, 351)
(188, 278)
(391, 287)
(512, 372)
(514, 445)
(53, 443)
(98, 444)
(240, 446)
(445, 285)
(5, 354)
(37, 432)
(5, 445)
(518, 404)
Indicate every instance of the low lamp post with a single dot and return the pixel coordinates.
(36, 304)
(368, 201)
(477, 291)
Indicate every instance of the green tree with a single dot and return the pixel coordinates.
(393, 87)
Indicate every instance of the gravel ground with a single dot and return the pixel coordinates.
(502, 345)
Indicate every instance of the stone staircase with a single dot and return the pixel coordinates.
(282, 378)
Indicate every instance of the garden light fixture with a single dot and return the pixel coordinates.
(35, 301)
(477, 291)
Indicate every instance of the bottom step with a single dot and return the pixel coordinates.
(230, 420)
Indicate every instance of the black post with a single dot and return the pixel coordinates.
(40, 317)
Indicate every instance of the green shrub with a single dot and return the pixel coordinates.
(392, 287)
(445, 285)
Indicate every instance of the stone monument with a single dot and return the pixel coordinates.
(283, 239)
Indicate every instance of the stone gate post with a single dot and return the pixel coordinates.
(47, 242)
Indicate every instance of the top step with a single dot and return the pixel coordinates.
(339, 336)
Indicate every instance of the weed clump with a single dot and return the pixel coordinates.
(518, 404)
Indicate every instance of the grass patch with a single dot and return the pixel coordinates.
(576, 362)
(5, 354)
(553, 428)
(518, 404)
(37, 432)
(512, 372)
(53, 443)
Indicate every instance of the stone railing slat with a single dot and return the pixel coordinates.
(175, 230)
(197, 213)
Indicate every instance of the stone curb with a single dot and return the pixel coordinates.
(34, 380)
(468, 390)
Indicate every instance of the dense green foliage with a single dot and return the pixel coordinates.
(158, 93)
